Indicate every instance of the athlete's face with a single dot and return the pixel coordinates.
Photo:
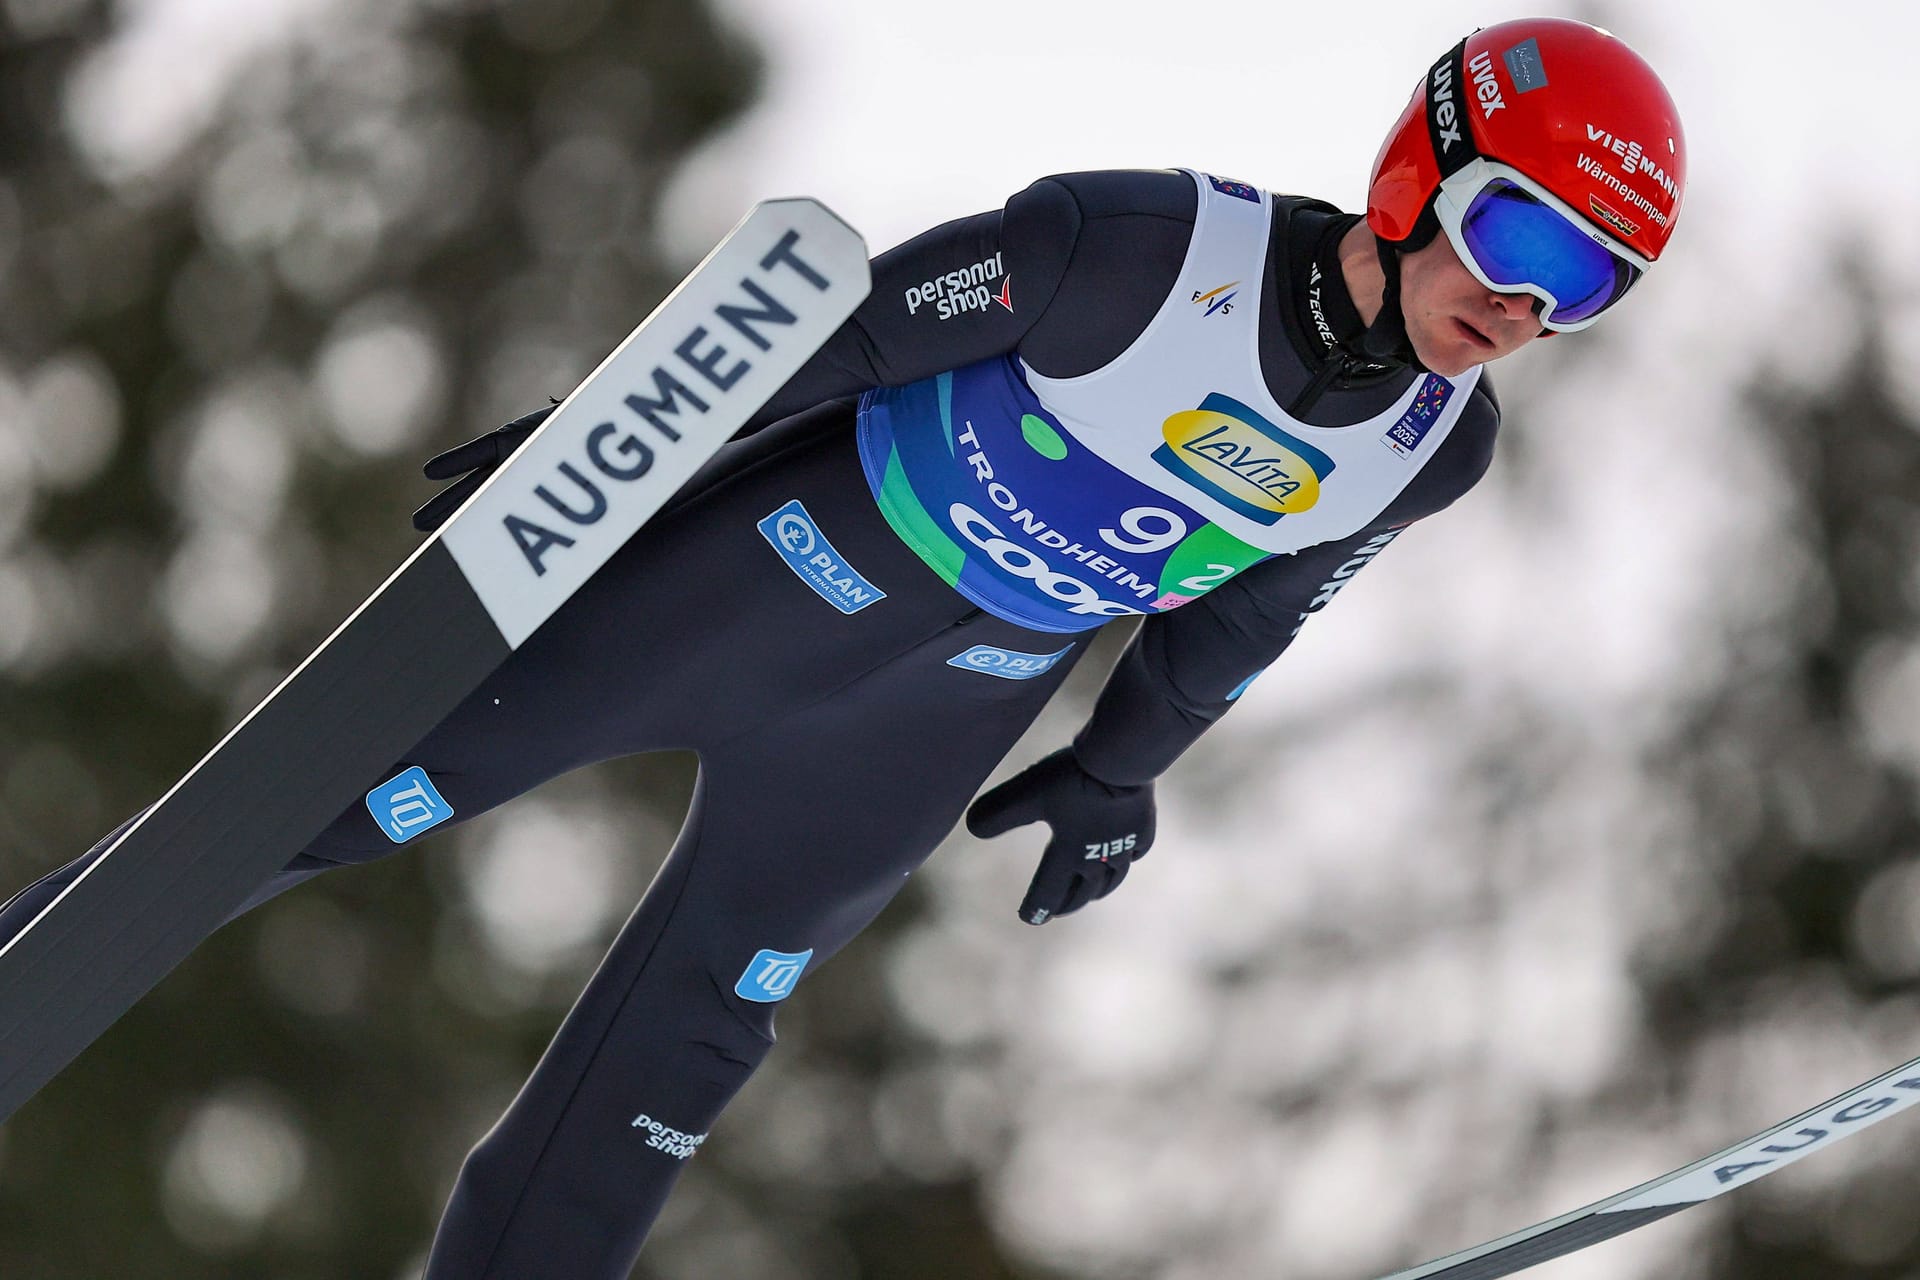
(1453, 320)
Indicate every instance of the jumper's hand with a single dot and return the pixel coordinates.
(1099, 831)
(472, 462)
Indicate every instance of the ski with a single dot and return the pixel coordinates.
(1758, 1156)
(609, 457)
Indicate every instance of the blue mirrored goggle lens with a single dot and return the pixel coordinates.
(1519, 241)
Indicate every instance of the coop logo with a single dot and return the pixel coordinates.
(1406, 434)
(1634, 159)
(1007, 663)
(407, 805)
(792, 532)
(1217, 301)
(665, 1138)
(771, 976)
(1242, 461)
(961, 292)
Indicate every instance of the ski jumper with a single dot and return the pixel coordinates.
(1127, 394)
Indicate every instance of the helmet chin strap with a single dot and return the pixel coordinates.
(1386, 338)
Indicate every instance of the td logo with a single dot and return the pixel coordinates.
(771, 975)
(1242, 461)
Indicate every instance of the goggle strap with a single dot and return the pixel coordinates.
(1448, 129)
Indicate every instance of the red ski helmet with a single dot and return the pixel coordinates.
(1568, 105)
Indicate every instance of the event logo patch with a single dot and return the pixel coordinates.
(792, 532)
(1405, 436)
(1238, 190)
(1007, 663)
(1242, 461)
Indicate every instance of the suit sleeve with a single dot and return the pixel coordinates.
(1080, 264)
(918, 322)
(1186, 668)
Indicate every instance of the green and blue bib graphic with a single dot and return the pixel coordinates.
(1002, 502)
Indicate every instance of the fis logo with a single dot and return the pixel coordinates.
(792, 532)
(1405, 436)
(407, 805)
(1006, 663)
(1242, 461)
(1218, 300)
(1238, 190)
(771, 976)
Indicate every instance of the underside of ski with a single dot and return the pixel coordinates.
(1758, 1156)
(693, 373)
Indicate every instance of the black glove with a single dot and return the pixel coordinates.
(1098, 831)
(473, 462)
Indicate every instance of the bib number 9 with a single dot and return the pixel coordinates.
(1138, 537)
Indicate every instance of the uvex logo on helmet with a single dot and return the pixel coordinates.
(1540, 83)
(1446, 115)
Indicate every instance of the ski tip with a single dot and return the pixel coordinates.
(788, 204)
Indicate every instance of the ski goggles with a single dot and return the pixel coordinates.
(1515, 236)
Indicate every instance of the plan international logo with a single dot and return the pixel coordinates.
(1242, 461)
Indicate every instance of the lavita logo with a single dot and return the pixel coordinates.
(1241, 460)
